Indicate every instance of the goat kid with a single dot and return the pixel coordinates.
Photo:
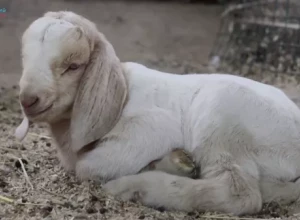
(111, 119)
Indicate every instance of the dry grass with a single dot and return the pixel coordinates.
(34, 186)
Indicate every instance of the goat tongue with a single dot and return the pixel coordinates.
(22, 129)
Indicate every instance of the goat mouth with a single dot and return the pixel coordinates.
(34, 114)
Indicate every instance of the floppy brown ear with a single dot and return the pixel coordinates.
(100, 98)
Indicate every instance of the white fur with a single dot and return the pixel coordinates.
(244, 134)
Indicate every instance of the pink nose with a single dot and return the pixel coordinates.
(28, 101)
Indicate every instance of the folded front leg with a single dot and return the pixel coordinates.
(230, 190)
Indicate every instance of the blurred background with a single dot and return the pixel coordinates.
(258, 39)
(173, 36)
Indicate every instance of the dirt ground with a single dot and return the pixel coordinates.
(169, 36)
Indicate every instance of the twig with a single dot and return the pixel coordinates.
(14, 202)
(40, 135)
(29, 203)
(5, 199)
(8, 149)
(25, 173)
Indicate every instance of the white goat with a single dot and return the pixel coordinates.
(111, 119)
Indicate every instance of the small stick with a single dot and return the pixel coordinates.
(25, 173)
(8, 200)
(8, 149)
(5, 199)
(29, 203)
(40, 135)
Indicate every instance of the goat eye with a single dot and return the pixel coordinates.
(73, 66)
